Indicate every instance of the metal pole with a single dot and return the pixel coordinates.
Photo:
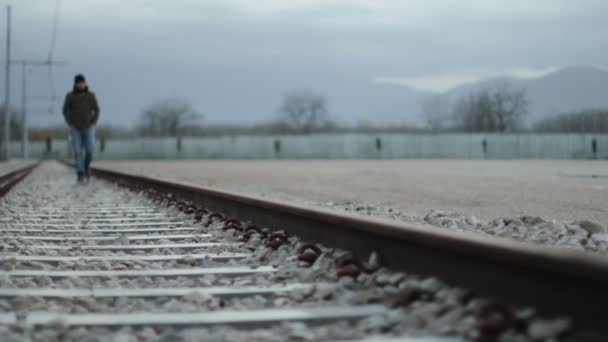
(24, 123)
(7, 92)
(24, 130)
(583, 123)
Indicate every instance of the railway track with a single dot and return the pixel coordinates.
(134, 257)
(13, 176)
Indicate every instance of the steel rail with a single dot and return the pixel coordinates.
(555, 281)
(9, 179)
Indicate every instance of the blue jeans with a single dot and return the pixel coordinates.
(83, 141)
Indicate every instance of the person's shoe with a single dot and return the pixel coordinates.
(80, 179)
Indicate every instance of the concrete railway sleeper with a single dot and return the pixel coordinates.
(99, 231)
(100, 261)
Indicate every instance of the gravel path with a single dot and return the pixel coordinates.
(545, 202)
(412, 306)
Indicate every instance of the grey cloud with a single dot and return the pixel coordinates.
(234, 60)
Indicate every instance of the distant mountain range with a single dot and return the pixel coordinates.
(568, 89)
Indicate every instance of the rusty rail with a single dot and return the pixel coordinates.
(556, 281)
(12, 178)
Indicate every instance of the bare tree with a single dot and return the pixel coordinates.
(500, 108)
(436, 112)
(304, 111)
(510, 106)
(473, 113)
(167, 118)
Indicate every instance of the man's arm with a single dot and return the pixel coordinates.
(66, 110)
(95, 110)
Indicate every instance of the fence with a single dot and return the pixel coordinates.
(342, 146)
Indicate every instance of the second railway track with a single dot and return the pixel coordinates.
(162, 261)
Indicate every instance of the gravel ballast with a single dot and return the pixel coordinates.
(415, 306)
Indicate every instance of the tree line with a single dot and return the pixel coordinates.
(584, 121)
(497, 108)
(500, 109)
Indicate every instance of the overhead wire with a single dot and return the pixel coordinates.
(51, 78)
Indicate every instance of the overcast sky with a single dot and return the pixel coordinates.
(234, 59)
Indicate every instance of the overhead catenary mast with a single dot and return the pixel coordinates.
(24, 133)
(5, 141)
(24, 124)
(7, 93)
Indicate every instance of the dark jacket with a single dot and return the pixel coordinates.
(80, 108)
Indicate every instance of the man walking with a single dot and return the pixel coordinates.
(81, 112)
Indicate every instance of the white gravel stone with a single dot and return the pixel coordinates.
(548, 329)
(578, 235)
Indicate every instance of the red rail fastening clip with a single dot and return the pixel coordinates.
(191, 209)
(198, 215)
(212, 216)
(350, 266)
(309, 252)
(171, 202)
(181, 206)
(276, 240)
(232, 224)
(252, 229)
(496, 318)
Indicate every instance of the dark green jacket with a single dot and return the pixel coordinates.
(81, 109)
